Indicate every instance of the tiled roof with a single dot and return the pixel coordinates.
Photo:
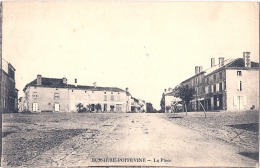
(237, 63)
(229, 63)
(58, 83)
(241, 63)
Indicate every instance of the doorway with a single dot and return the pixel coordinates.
(35, 107)
(56, 107)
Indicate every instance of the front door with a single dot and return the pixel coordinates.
(35, 106)
(57, 107)
(105, 107)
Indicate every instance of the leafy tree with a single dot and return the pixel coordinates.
(186, 94)
(98, 107)
(150, 108)
(79, 107)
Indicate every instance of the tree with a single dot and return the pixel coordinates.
(150, 108)
(98, 107)
(79, 107)
(186, 94)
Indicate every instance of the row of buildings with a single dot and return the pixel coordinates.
(55, 94)
(231, 85)
(9, 93)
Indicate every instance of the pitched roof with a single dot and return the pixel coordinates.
(58, 83)
(229, 63)
(236, 63)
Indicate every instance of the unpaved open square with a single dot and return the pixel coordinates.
(95, 139)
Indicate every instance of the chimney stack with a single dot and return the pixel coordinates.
(221, 61)
(95, 84)
(64, 80)
(212, 62)
(39, 79)
(246, 56)
(200, 69)
(76, 81)
(126, 89)
(196, 70)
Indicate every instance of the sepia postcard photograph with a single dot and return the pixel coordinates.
(129, 83)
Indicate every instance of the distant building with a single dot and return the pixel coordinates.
(170, 100)
(138, 105)
(52, 94)
(230, 85)
(9, 94)
(21, 104)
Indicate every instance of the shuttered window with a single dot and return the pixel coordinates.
(217, 87)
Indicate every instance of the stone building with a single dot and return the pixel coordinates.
(231, 85)
(138, 105)
(170, 100)
(9, 94)
(53, 94)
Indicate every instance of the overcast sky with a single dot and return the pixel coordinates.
(145, 46)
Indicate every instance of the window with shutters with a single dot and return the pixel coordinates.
(217, 87)
(35, 95)
(239, 73)
(105, 98)
(56, 96)
(112, 97)
(220, 75)
(206, 89)
(239, 86)
(220, 86)
(214, 77)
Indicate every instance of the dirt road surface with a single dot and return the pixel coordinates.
(153, 139)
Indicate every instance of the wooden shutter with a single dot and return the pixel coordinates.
(238, 85)
(235, 101)
(245, 100)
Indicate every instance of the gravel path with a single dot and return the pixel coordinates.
(71, 139)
